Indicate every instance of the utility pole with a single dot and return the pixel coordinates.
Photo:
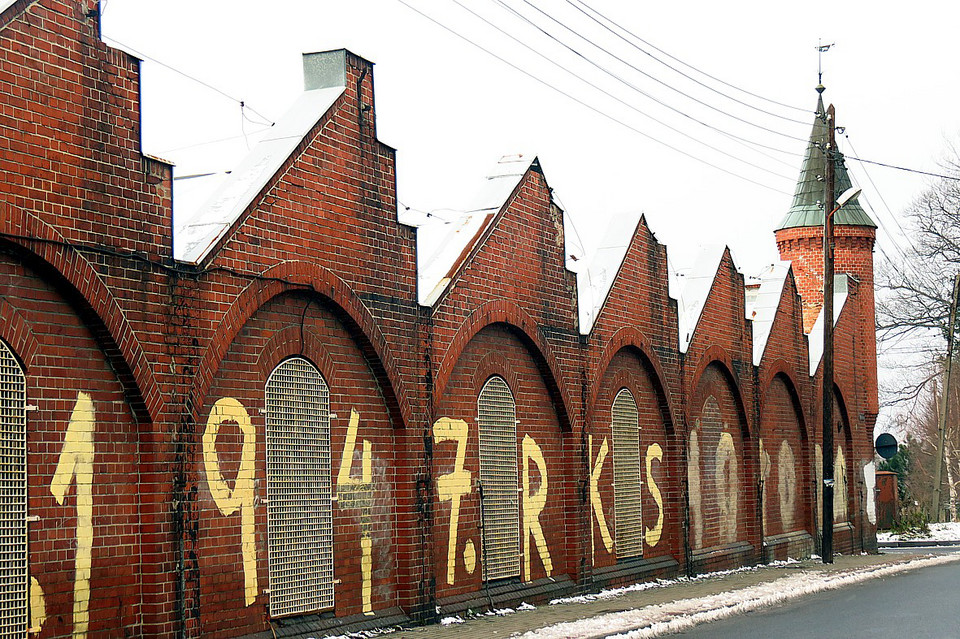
(945, 401)
(826, 545)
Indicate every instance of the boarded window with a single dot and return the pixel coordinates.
(497, 418)
(626, 475)
(299, 506)
(13, 496)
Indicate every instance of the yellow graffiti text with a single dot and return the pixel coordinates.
(453, 486)
(240, 497)
(840, 488)
(693, 489)
(358, 493)
(533, 504)
(38, 607)
(728, 487)
(787, 484)
(76, 462)
(595, 502)
(652, 535)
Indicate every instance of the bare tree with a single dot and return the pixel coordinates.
(913, 311)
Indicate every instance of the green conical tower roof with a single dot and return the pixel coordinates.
(807, 209)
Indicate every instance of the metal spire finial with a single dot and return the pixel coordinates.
(821, 49)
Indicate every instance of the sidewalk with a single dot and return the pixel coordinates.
(657, 609)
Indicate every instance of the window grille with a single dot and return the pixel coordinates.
(13, 497)
(497, 418)
(299, 499)
(626, 475)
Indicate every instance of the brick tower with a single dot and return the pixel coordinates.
(800, 241)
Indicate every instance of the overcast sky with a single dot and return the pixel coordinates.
(452, 110)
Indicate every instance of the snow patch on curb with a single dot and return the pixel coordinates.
(663, 583)
(660, 619)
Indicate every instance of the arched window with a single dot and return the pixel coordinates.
(13, 496)
(299, 499)
(626, 475)
(497, 419)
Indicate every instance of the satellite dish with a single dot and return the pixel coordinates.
(886, 445)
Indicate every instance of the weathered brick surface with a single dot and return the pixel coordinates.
(787, 433)
(91, 302)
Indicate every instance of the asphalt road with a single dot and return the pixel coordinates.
(918, 604)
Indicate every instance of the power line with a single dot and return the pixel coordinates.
(614, 97)
(585, 104)
(903, 168)
(883, 201)
(644, 73)
(676, 59)
(242, 103)
(214, 141)
(740, 140)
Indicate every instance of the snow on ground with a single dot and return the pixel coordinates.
(662, 583)
(949, 531)
(660, 619)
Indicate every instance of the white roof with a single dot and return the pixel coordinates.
(692, 288)
(195, 238)
(595, 281)
(763, 308)
(815, 338)
(442, 240)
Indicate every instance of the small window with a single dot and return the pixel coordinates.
(626, 475)
(497, 418)
(13, 503)
(299, 504)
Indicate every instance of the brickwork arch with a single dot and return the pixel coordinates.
(16, 332)
(717, 355)
(632, 339)
(299, 276)
(92, 299)
(292, 341)
(781, 369)
(524, 326)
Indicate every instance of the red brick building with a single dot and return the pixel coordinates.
(294, 414)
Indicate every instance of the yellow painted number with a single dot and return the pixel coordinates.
(453, 485)
(76, 463)
(358, 493)
(240, 497)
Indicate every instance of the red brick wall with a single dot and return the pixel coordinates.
(853, 255)
(784, 463)
(91, 302)
(272, 335)
(63, 361)
(627, 370)
(726, 513)
(496, 350)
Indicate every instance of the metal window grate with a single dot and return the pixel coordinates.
(626, 475)
(13, 497)
(497, 419)
(299, 499)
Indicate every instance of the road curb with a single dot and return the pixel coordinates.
(918, 543)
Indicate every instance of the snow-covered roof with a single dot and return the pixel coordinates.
(815, 339)
(692, 288)
(443, 240)
(595, 281)
(195, 238)
(763, 308)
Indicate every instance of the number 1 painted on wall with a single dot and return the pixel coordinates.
(76, 462)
